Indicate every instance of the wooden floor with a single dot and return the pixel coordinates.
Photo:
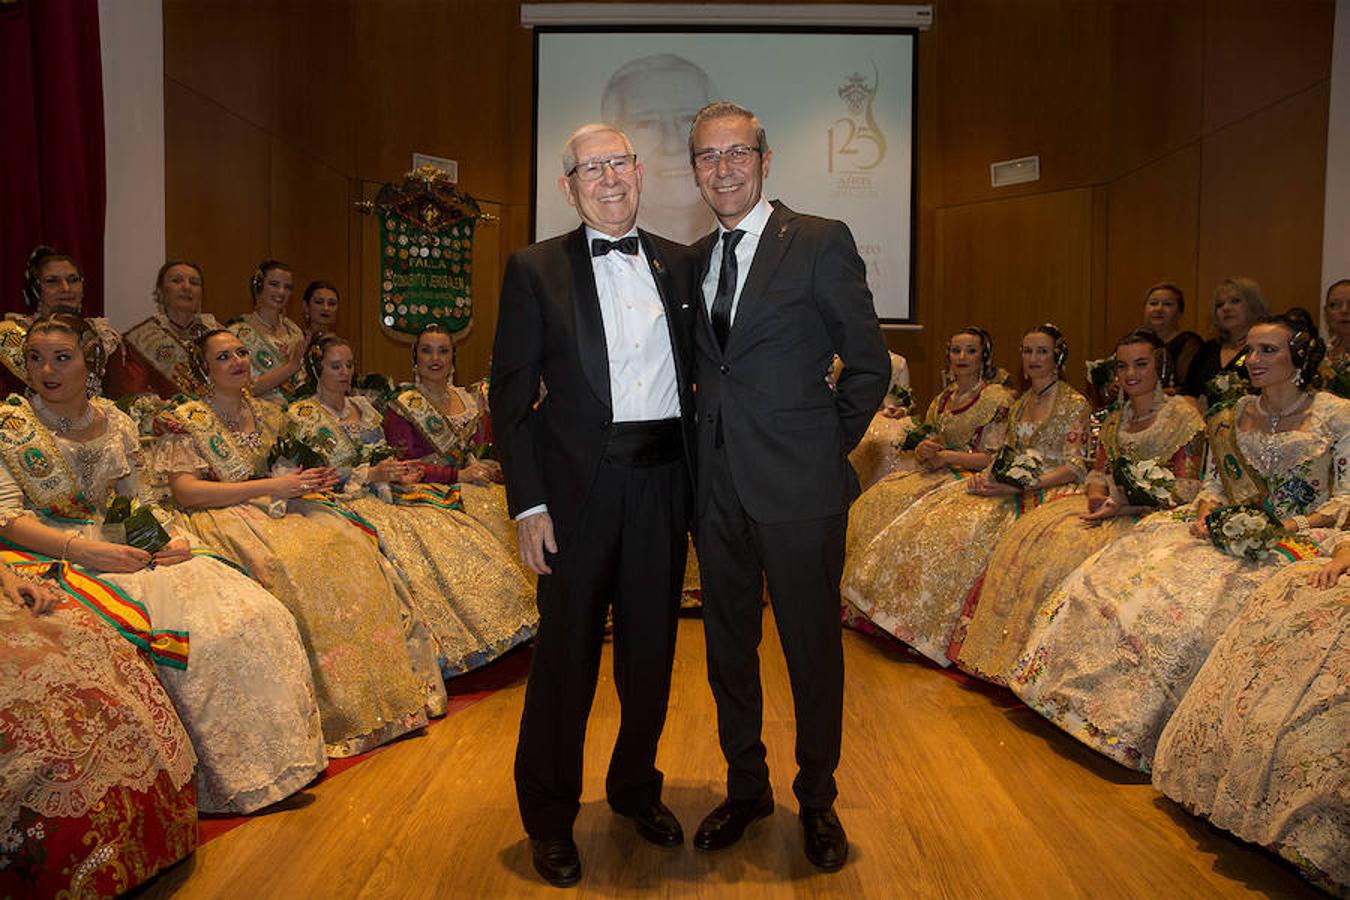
(946, 790)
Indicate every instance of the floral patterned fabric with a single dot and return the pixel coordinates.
(465, 584)
(913, 578)
(96, 787)
(246, 696)
(1260, 743)
(373, 681)
(1118, 643)
(1048, 543)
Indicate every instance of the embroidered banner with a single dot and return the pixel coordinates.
(426, 253)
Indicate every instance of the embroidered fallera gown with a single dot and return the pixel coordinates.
(1260, 743)
(96, 786)
(158, 358)
(912, 579)
(466, 584)
(245, 692)
(976, 425)
(1118, 643)
(374, 674)
(267, 351)
(1049, 542)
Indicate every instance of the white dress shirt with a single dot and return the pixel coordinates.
(642, 384)
(753, 225)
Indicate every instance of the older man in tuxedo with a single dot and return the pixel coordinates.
(598, 478)
(783, 293)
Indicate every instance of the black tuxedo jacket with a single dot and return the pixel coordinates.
(787, 435)
(550, 326)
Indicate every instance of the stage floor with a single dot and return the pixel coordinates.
(947, 788)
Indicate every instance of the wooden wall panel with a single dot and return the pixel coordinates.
(1020, 78)
(1157, 82)
(218, 207)
(1154, 218)
(226, 51)
(1262, 186)
(310, 214)
(313, 88)
(1257, 52)
(1011, 264)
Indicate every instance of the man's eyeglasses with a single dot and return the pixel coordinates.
(738, 157)
(594, 169)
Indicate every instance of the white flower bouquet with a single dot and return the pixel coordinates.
(1019, 468)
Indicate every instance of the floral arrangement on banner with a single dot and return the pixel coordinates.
(1144, 482)
(128, 522)
(1018, 468)
(917, 435)
(1246, 531)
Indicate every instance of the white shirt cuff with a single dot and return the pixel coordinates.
(533, 511)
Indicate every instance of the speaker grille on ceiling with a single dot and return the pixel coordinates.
(1015, 171)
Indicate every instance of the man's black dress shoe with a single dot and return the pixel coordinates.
(556, 860)
(724, 826)
(658, 824)
(826, 843)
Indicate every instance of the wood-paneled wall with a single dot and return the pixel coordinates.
(1179, 139)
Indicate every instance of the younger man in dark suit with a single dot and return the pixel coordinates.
(782, 294)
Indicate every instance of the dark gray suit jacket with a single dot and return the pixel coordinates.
(787, 435)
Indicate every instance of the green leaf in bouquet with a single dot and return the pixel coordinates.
(297, 452)
(144, 530)
(485, 451)
(916, 435)
(119, 510)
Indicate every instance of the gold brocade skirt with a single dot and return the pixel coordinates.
(912, 579)
(466, 584)
(1037, 553)
(370, 677)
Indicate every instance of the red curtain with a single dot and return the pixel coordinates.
(52, 179)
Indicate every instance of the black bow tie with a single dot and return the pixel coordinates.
(629, 245)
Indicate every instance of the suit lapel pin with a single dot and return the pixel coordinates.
(782, 232)
(657, 267)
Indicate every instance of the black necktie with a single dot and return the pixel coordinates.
(629, 245)
(726, 287)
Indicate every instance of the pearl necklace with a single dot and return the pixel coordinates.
(64, 424)
(1273, 418)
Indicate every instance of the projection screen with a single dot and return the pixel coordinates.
(837, 107)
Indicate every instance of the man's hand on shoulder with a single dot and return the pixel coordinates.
(534, 534)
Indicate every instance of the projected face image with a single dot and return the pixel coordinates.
(654, 99)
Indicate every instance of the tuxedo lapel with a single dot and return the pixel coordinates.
(590, 326)
(773, 246)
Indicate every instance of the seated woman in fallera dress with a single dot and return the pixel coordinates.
(464, 582)
(964, 425)
(159, 349)
(1118, 642)
(51, 281)
(912, 579)
(243, 690)
(374, 678)
(880, 452)
(447, 427)
(1166, 434)
(1258, 744)
(276, 345)
(96, 787)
